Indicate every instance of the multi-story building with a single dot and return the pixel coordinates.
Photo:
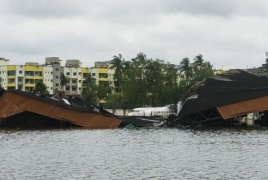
(257, 71)
(4, 61)
(72, 70)
(102, 73)
(76, 75)
(262, 70)
(24, 77)
(3, 79)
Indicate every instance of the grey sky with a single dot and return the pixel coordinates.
(231, 33)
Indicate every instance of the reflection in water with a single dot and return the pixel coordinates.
(133, 154)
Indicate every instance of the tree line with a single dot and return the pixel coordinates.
(146, 82)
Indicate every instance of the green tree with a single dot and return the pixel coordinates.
(64, 80)
(112, 102)
(117, 64)
(206, 70)
(186, 70)
(198, 61)
(89, 92)
(153, 82)
(102, 91)
(154, 76)
(41, 88)
(134, 89)
(171, 94)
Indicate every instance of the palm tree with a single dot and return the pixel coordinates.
(186, 69)
(198, 61)
(117, 64)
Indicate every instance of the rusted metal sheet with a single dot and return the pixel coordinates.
(244, 107)
(12, 103)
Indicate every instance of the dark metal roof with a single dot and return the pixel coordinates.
(219, 90)
(1, 91)
(46, 99)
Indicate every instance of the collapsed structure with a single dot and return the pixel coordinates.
(235, 97)
(23, 109)
(230, 98)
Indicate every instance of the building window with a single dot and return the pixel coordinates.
(56, 77)
(93, 74)
(79, 81)
(51, 80)
(11, 73)
(73, 88)
(51, 88)
(67, 88)
(103, 75)
(73, 81)
(38, 73)
(79, 73)
(56, 69)
(29, 73)
(11, 80)
(67, 73)
(74, 73)
(85, 74)
(29, 81)
(20, 72)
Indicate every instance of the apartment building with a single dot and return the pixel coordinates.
(102, 73)
(24, 77)
(72, 70)
(76, 74)
(3, 80)
(260, 71)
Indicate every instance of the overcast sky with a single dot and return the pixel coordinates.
(229, 34)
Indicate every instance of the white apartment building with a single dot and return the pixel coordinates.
(24, 77)
(76, 74)
(3, 70)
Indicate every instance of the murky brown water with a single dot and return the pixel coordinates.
(134, 154)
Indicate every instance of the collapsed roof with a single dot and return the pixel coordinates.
(222, 90)
(15, 102)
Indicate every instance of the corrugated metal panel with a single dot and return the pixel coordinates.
(12, 104)
(244, 107)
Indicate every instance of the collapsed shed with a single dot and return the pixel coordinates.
(17, 108)
(222, 98)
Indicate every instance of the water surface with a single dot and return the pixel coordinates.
(134, 154)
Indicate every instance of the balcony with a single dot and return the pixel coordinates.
(11, 84)
(29, 85)
(38, 77)
(103, 79)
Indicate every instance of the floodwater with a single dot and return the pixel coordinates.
(134, 154)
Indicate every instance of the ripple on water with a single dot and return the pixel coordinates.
(133, 154)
